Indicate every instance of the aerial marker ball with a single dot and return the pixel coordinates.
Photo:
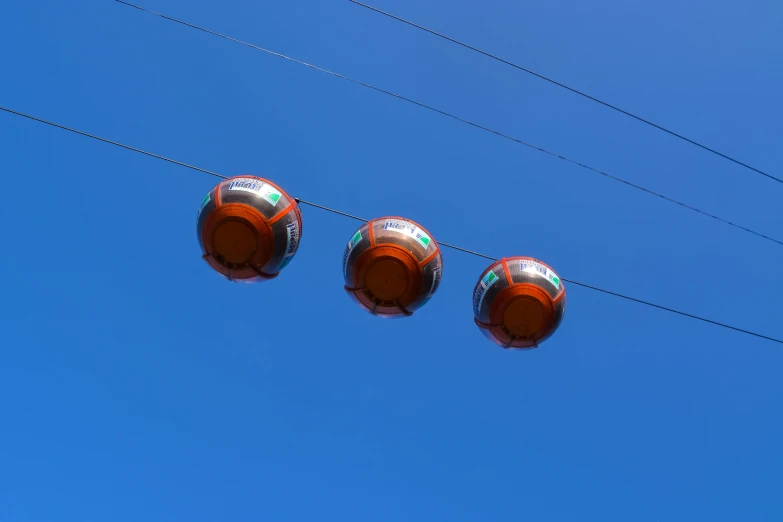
(249, 229)
(519, 302)
(392, 267)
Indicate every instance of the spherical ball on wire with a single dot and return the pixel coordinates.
(392, 267)
(519, 302)
(249, 229)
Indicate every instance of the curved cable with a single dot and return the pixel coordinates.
(339, 212)
(444, 113)
(580, 93)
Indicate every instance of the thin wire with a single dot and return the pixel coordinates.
(671, 310)
(357, 218)
(580, 93)
(571, 281)
(476, 125)
(113, 143)
(335, 211)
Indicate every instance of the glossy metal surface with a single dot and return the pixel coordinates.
(276, 208)
(522, 271)
(406, 235)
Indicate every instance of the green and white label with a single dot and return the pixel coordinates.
(527, 265)
(357, 237)
(409, 229)
(203, 203)
(478, 296)
(257, 187)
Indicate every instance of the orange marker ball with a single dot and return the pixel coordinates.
(249, 229)
(519, 302)
(392, 267)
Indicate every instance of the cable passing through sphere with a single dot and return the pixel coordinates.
(519, 302)
(249, 229)
(392, 266)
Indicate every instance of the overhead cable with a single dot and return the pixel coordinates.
(444, 113)
(580, 93)
(335, 211)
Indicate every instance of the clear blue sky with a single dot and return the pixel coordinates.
(135, 384)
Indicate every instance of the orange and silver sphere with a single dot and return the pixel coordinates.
(519, 302)
(392, 267)
(248, 229)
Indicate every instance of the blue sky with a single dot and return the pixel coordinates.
(138, 385)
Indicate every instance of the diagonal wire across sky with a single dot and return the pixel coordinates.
(339, 212)
(564, 86)
(462, 120)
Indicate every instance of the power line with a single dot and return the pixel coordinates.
(357, 218)
(444, 113)
(580, 93)
(571, 281)
(112, 142)
(339, 212)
